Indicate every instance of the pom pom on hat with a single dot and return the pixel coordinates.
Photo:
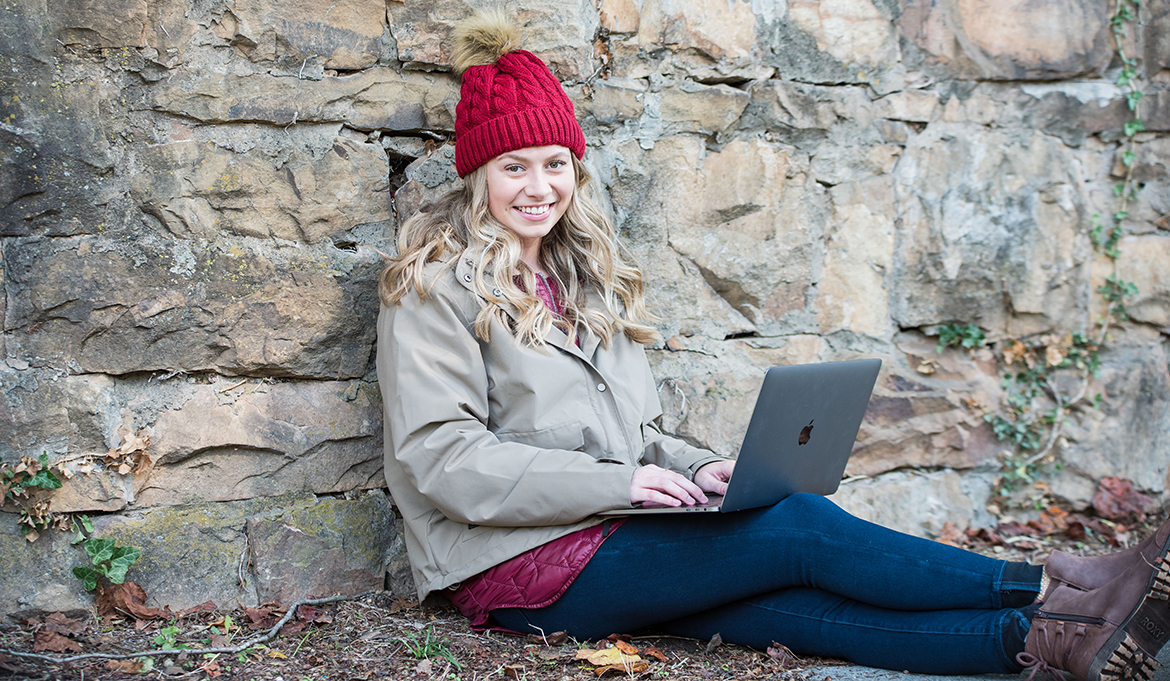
(509, 99)
(483, 39)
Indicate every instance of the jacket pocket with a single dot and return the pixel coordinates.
(563, 436)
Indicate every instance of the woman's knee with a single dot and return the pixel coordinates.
(809, 506)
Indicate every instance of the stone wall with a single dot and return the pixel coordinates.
(194, 195)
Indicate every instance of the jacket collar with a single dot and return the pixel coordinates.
(465, 273)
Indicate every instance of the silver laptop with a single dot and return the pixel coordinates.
(799, 439)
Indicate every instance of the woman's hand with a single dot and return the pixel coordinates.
(712, 477)
(656, 485)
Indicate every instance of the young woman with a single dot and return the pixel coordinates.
(519, 404)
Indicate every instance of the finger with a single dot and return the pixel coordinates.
(664, 499)
(653, 496)
(712, 484)
(684, 490)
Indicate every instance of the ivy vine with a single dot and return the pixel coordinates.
(1035, 407)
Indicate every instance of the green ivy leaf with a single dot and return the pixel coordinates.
(100, 551)
(44, 479)
(124, 557)
(88, 577)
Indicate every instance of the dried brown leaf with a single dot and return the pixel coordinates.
(626, 669)
(60, 624)
(950, 534)
(125, 666)
(608, 656)
(1117, 499)
(126, 599)
(260, 618)
(651, 651)
(205, 606)
(781, 655)
(1014, 352)
(627, 648)
(52, 642)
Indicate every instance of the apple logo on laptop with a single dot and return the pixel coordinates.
(806, 433)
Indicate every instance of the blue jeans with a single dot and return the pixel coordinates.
(806, 574)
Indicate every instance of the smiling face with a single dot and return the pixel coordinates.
(528, 192)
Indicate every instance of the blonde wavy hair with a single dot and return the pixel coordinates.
(581, 253)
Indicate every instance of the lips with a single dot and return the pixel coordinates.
(534, 212)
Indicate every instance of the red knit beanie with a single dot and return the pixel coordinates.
(510, 104)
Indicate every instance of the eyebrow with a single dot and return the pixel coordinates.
(550, 157)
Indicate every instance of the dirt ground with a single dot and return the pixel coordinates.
(379, 636)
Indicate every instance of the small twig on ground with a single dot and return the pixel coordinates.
(263, 638)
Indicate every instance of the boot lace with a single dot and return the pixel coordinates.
(1037, 665)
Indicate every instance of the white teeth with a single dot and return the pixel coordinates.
(533, 210)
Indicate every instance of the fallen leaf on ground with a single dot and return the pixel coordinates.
(125, 666)
(260, 618)
(606, 656)
(1117, 499)
(205, 606)
(556, 638)
(273, 653)
(655, 653)
(424, 668)
(126, 599)
(60, 624)
(513, 671)
(628, 669)
(626, 648)
(714, 643)
(950, 534)
(782, 656)
(52, 642)
(292, 628)
(310, 614)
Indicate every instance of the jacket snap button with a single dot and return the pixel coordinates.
(600, 387)
(496, 292)
(467, 277)
(470, 262)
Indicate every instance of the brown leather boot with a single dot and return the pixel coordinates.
(1111, 633)
(1087, 573)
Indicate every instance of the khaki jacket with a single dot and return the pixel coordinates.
(495, 448)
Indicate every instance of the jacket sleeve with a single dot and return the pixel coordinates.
(670, 452)
(663, 450)
(435, 389)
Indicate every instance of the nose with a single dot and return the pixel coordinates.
(538, 186)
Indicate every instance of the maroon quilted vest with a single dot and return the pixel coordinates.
(532, 579)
